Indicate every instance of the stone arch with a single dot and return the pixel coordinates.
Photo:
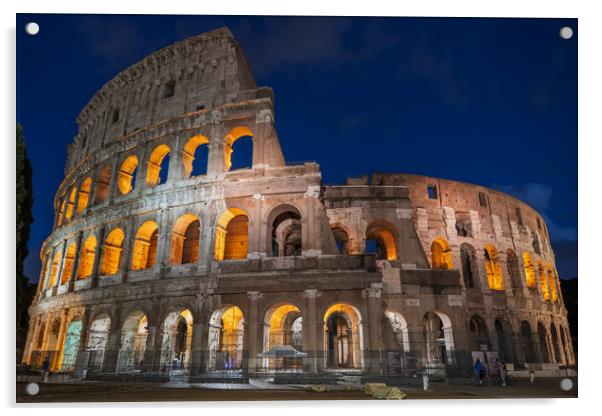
(185, 237)
(343, 337)
(566, 342)
(62, 212)
(189, 155)
(103, 183)
(134, 334)
(439, 338)
(55, 267)
(493, 268)
(530, 273)
(232, 235)
(144, 254)
(126, 177)
(399, 325)
(285, 226)
(86, 258)
(543, 281)
(542, 334)
(341, 238)
(441, 255)
(552, 283)
(503, 332)
(226, 338)
(71, 344)
(68, 263)
(71, 203)
(528, 342)
(98, 338)
(513, 268)
(470, 268)
(84, 194)
(384, 235)
(235, 134)
(479, 333)
(111, 252)
(283, 326)
(176, 341)
(556, 347)
(158, 162)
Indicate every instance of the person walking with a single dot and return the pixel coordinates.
(502, 371)
(479, 372)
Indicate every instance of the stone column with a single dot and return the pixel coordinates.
(216, 164)
(59, 267)
(125, 261)
(60, 340)
(372, 348)
(30, 339)
(162, 243)
(111, 356)
(76, 260)
(200, 342)
(311, 327)
(152, 355)
(252, 327)
(98, 253)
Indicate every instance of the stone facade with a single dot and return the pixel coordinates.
(156, 268)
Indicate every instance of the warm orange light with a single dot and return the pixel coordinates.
(154, 164)
(86, 260)
(493, 268)
(126, 174)
(112, 252)
(441, 255)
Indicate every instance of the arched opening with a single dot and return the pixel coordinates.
(195, 156)
(226, 335)
(552, 283)
(71, 203)
(98, 339)
(112, 252)
(232, 235)
(243, 156)
(55, 267)
(343, 337)
(145, 246)
(400, 329)
(543, 342)
(559, 358)
(283, 328)
(380, 240)
(103, 182)
(504, 340)
(470, 270)
(528, 342)
(342, 240)
(286, 233)
(86, 258)
(134, 334)
(62, 212)
(52, 346)
(126, 178)
(71, 345)
(493, 268)
(543, 281)
(185, 240)
(176, 344)
(84, 194)
(566, 345)
(439, 340)
(68, 263)
(530, 273)
(441, 255)
(479, 335)
(513, 268)
(158, 165)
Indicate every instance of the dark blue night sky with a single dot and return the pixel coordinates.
(489, 101)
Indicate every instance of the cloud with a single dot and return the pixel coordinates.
(539, 196)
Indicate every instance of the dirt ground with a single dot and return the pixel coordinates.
(112, 392)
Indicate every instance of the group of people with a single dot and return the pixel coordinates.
(497, 367)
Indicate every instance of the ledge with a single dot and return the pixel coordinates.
(143, 275)
(83, 284)
(109, 280)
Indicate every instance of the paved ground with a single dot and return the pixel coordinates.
(113, 392)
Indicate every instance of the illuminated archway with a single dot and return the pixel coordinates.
(134, 334)
(71, 345)
(68, 263)
(185, 240)
(158, 162)
(232, 235)
(234, 135)
(98, 339)
(383, 235)
(552, 283)
(103, 182)
(176, 342)
(126, 178)
(86, 258)
(441, 255)
(286, 231)
(84, 194)
(55, 267)
(439, 338)
(543, 281)
(112, 252)
(530, 273)
(343, 337)
(189, 155)
(226, 335)
(399, 326)
(71, 203)
(144, 254)
(283, 326)
(493, 268)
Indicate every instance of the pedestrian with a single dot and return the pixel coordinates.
(479, 372)
(45, 370)
(502, 371)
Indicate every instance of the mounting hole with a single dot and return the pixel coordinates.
(566, 384)
(566, 32)
(32, 389)
(32, 28)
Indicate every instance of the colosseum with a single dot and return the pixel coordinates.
(167, 260)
